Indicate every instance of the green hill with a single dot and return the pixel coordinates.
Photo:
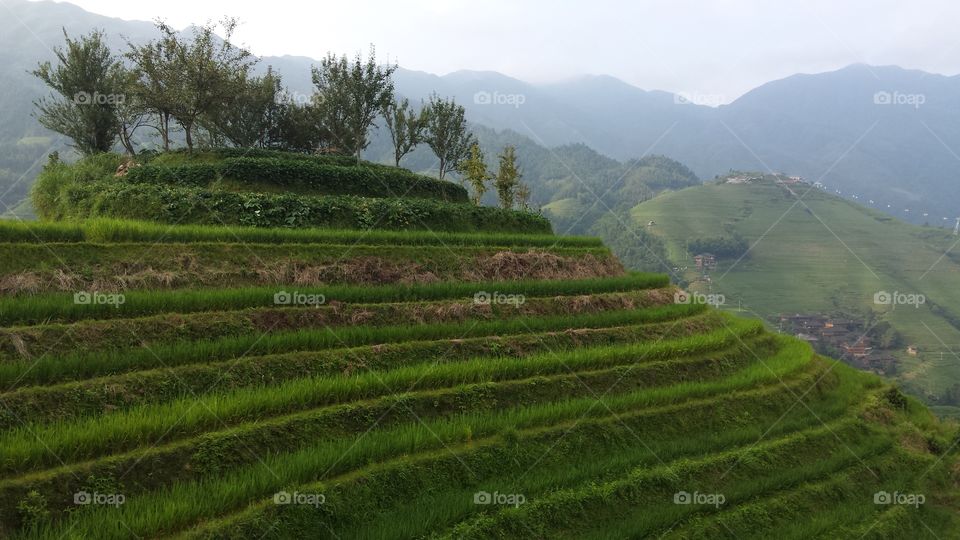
(225, 381)
(265, 189)
(815, 253)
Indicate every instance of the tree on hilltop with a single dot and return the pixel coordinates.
(153, 79)
(190, 78)
(88, 85)
(350, 96)
(446, 133)
(475, 173)
(508, 177)
(251, 118)
(405, 126)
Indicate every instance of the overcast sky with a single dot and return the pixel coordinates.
(709, 47)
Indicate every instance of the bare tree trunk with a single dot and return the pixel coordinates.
(165, 130)
(188, 129)
(125, 140)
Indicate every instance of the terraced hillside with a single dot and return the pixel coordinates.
(306, 383)
(814, 252)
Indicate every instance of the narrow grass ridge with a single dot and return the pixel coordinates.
(105, 230)
(89, 335)
(63, 307)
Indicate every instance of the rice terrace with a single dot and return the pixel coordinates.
(247, 330)
(405, 383)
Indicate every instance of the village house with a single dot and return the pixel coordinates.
(705, 260)
(858, 349)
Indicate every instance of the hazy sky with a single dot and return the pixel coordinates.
(720, 47)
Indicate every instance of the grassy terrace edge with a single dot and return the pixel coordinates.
(61, 306)
(105, 230)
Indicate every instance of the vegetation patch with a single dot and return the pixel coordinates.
(176, 204)
(310, 176)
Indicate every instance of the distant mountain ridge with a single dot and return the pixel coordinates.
(885, 133)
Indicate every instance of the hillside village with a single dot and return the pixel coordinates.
(738, 177)
(846, 339)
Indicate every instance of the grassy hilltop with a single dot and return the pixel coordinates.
(271, 346)
(266, 188)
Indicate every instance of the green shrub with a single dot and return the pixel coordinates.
(33, 510)
(55, 180)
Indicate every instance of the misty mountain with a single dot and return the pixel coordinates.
(882, 133)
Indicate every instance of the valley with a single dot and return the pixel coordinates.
(813, 253)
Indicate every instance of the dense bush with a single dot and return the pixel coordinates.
(57, 176)
(317, 176)
(335, 179)
(198, 174)
(186, 205)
